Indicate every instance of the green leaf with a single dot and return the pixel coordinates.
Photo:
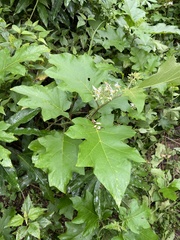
(22, 5)
(131, 8)
(35, 212)
(56, 154)
(6, 215)
(137, 217)
(66, 208)
(104, 151)
(75, 232)
(170, 191)
(27, 205)
(25, 53)
(86, 213)
(136, 96)
(168, 72)
(10, 176)
(29, 131)
(147, 234)
(52, 101)
(175, 183)
(5, 160)
(163, 28)
(21, 232)
(16, 221)
(43, 13)
(143, 234)
(34, 229)
(76, 74)
(111, 37)
(23, 116)
(4, 136)
(139, 57)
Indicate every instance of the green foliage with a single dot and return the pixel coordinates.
(89, 117)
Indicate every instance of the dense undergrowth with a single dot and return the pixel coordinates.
(89, 119)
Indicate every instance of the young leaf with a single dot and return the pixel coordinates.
(21, 232)
(168, 72)
(56, 154)
(34, 229)
(104, 151)
(35, 212)
(52, 101)
(27, 205)
(76, 74)
(86, 213)
(16, 221)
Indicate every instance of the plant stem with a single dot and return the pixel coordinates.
(91, 42)
(102, 105)
(34, 9)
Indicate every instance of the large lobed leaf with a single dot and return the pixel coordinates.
(76, 74)
(169, 72)
(136, 96)
(137, 217)
(52, 101)
(131, 8)
(105, 151)
(57, 155)
(12, 64)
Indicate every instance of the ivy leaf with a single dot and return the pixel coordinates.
(168, 72)
(52, 100)
(86, 213)
(137, 217)
(76, 74)
(57, 155)
(136, 96)
(104, 151)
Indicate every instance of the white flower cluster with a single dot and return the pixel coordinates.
(168, 4)
(106, 92)
(97, 125)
